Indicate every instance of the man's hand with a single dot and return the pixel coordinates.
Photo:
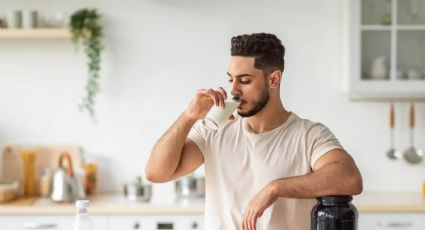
(257, 206)
(204, 100)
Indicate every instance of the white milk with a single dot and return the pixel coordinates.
(218, 116)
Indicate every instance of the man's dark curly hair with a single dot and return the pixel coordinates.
(267, 50)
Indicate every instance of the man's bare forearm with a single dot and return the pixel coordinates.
(336, 178)
(166, 153)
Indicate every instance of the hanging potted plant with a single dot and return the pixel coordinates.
(86, 29)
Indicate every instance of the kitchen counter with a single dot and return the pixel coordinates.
(116, 204)
(107, 204)
(390, 202)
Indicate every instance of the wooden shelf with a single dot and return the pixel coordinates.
(36, 33)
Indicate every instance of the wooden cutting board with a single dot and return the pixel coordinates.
(47, 156)
(21, 202)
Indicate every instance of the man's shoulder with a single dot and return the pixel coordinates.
(304, 123)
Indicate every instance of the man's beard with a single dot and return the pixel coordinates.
(265, 96)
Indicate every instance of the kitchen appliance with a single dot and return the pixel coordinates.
(137, 191)
(190, 187)
(66, 187)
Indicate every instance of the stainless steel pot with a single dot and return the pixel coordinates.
(137, 191)
(190, 187)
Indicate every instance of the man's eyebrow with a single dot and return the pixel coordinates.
(240, 75)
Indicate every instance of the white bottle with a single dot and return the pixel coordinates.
(83, 220)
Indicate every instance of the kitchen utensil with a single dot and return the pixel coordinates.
(413, 155)
(392, 153)
(188, 187)
(137, 191)
(65, 185)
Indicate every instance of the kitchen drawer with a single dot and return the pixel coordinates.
(156, 222)
(57, 222)
(391, 221)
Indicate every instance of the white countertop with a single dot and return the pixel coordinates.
(116, 204)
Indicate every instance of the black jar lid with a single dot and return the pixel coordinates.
(335, 199)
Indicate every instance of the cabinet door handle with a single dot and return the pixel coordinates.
(35, 225)
(396, 224)
(136, 225)
(195, 225)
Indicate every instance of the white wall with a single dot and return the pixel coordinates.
(159, 52)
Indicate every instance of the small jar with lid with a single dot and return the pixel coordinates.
(334, 213)
(45, 183)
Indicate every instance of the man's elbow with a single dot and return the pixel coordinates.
(356, 185)
(153, 176)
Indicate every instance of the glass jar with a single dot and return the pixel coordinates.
(90, 178)
(334, 213)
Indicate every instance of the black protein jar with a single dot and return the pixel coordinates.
(334, 213)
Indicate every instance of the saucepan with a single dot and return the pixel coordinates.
(190, 187)
(138, 191)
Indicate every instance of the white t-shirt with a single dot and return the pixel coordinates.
(239, 163)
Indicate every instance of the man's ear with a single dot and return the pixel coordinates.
(274, 79)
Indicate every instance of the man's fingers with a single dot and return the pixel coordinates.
(223, 92)
(243, 221)
(221, 100)
(214, 96)
(253, 220)
(248, 220)
(232, 117)
(217, 97)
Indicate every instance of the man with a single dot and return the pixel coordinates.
(264, 168)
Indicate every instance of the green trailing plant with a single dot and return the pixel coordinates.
(86, 29)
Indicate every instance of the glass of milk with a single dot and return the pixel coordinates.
(218, 116)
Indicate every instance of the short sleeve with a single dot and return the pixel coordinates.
(322, 140)
(198, 136)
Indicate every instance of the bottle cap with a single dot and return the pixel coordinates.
(82, 203)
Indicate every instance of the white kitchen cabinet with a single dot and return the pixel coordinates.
(391, 221)
(57, 222)
(156, 222)
(387, 49)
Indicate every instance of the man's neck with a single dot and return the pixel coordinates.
(270, 117)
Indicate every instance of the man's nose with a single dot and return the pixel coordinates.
(236, 93)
